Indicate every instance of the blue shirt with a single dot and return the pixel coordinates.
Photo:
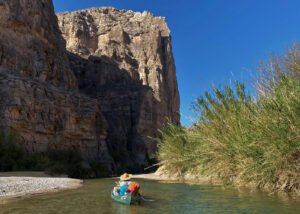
(123, 190)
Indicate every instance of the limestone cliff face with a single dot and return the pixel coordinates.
(139, 47)
(30, 42)
(39, 96)
(138, 42)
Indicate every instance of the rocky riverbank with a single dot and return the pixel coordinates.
(12, 188)
(163, 175)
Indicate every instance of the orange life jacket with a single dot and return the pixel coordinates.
(133, 187)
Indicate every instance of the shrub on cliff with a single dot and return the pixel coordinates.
(10, 155)
(242, 140)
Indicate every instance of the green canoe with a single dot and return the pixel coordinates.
(126, 199)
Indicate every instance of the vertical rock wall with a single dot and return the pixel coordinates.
(39, 98)
(125, 59)
(30, 42)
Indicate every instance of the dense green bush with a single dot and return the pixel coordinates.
(13, 158)
(242, 140)
(10, 154)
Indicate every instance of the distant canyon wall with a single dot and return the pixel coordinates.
(125, 60)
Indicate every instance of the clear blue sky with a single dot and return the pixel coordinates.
(215, 41)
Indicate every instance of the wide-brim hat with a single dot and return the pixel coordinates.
(125, 177)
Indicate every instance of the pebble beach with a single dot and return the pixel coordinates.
(19, 187)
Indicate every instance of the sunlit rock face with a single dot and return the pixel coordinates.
(105, 96)
(125, 53)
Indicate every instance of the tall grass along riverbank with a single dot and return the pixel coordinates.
(243, 140)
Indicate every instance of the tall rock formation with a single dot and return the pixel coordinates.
(39, 97)
(139, 47)
(105, 96)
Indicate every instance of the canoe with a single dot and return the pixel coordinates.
(126, 199)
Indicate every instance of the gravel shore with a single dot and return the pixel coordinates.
(18, 187)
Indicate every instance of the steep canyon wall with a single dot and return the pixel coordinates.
(105, 95)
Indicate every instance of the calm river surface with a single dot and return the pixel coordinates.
(94, 197)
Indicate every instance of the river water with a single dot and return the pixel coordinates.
(94, 198)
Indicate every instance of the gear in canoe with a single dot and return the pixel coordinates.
(126, 199)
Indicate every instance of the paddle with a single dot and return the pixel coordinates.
(147, 200)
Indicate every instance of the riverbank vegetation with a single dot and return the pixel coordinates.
(242, 139)
(55, 162)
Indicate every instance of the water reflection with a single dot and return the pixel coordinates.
(123, 209)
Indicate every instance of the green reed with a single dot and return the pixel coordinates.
(244, 140)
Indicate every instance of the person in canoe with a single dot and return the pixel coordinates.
(127, 186)
(127, 191)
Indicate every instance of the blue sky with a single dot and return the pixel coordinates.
(215, 41)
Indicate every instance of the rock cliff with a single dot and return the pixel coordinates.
(39, 97)
(104, 96)
(30, 42)
(124, 51)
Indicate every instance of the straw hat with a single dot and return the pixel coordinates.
(125, 177)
